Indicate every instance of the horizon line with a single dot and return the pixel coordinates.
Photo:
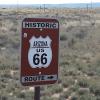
(50, 3)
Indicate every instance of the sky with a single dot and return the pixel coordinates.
(45, 1)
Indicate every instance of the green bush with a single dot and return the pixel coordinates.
(4, 98)
(65, 94)
(82, 34)
(62, 98)
(21, 95)
(98, 98)
(71, 42)
(83, 91)
(54, 89)
(87, 97)
(63, 37)
(95, 90)
(66, 82)
(83, 83)
(47, 98)
(75, 97)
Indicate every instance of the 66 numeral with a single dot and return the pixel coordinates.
(37, 59)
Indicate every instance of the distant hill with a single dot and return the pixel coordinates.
(71, 5)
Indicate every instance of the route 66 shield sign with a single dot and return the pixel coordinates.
(39, 51)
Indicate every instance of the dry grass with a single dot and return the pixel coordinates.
(79, 54)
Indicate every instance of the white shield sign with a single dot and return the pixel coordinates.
(40, 53)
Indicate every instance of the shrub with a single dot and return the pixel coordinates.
(66, 94)
(63, 37)
(71, 42)
(87, 97)
(62, 98)
(21, 95)
(81, 35)
(95, 90)
(83, 83)
(4, 98)
(47, 98)
(55, 89)
(75, 97)
(83, 91)
(98, 98)
(67, 82)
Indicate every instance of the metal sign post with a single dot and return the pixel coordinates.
(39, 52)
(37, 93)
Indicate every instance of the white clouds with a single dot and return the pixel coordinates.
(45, 1)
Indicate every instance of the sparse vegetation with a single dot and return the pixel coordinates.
(63, 37)
(79, 55)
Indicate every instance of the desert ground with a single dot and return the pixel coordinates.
(79, 56)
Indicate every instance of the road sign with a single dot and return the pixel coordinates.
(39, 51)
